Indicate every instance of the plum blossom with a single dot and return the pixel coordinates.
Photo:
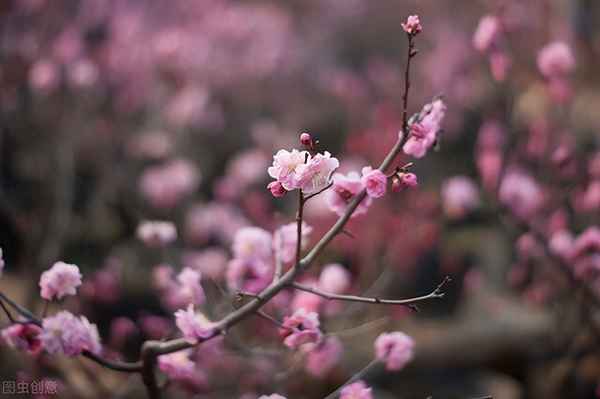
(67, 334)
(356, 390)
(156, 233)
(412, 26)
(403, 181)
(60, 280)
(459, 196)
(334, 279)
(585, 252)
(285, 239)
(301, 328)
(345, 188)
(375, 181)
(424, 133)
(561, 243)
(167, 184)
(556, 60)
(23, 337)
(285, 167)
(324, 357)
(306, 139)
(180, 368)
(276, 189)
(252, 243)
(487, 33)
(189, 288)
(521, 193)
(193, 325)
(395, 349)
(299, 170)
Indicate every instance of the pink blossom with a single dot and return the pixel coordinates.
(556, 60)
(375, 181)
(561, 243)
(587, 246)
(589, 200)
(189, 289)
(395, 349)
(285, 239)
(211, 262)
(301, 328)
(162, 276)
(403, 181)
(459, 196)
(285, 167)
(165, 185)
(60, 280)
(193, 325)
(521, 193)
(180, 368)
(356, 390)
(156, 233)
(500, 63)
(252, 243)
(334, 279)
(412, 25)
(23, 337)
(344, 189)
(423, 134)
(315, 174)
(121, 329)
(250, 275)
(487, 33)
(324, 357)
(67, 334)
(44, 76)
(272, 396)
(276, 189)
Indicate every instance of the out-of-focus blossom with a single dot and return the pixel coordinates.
(395, 349)
(250, 275)
(65, 333)
(500, 63)
(561, 243)
(301, 328)
(412, 26)
(165, 185)
(189, 289)
(324, 357)
(424, 132)
(520, 193)
(375, 181)
(44, 76)
(585, 253)
(459, 196)
(163, 276)
(60, 280)
(180, 368)
(155, 327)
(252, 243)
(345, 188)
(2, 263)
(23, 337)
(272, 396)
(211, 262)
(556, 60)
(121, 328)
(589, 200)
(83, 73)
(306, 300)
(157, 233)
(213, 221)
(285, 239)
(334, 279)
(193, 325)
(356, 390)
(151, 145)
(487, 33)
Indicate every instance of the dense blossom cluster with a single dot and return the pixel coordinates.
(65, 333)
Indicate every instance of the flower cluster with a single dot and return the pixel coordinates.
(60, 280)
(64, 333)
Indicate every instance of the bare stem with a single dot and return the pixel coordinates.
(410, 302)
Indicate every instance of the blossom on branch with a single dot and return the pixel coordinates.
(60, 280)
(67, 334)
(356, 390)
(193, 325)
(299, 170)
(424, 131)
(345, 188)
(375, 181)
(301, 328)
(23, 337)
(412, 26)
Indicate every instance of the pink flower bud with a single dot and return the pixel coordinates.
(276, 189)
(412, 25)
(306, 139)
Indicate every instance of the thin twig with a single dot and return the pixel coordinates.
(435, 294)
(328, 186)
